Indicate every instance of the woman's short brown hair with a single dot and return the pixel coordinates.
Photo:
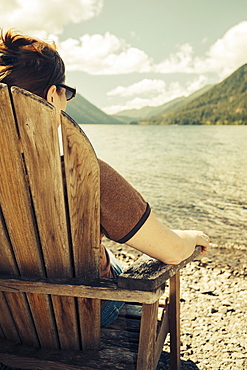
(29, 63)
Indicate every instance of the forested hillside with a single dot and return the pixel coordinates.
(223, 104)
(82, 111)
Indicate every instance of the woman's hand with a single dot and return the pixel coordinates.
(192, 238)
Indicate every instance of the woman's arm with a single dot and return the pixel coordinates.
(166, 245)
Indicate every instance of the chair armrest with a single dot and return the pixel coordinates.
(148, 273)
(144, 281)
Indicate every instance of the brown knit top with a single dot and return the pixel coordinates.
(122, 211)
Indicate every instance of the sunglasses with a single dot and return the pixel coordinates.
(70, 92)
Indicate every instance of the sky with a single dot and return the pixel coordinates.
(128, 54)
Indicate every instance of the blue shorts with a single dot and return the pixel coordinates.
(110, 311)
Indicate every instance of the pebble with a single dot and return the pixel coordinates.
(213, 312)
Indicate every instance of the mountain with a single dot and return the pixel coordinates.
(224, 103)
(143, 114)
(82, 111)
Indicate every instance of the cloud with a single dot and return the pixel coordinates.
(197, 83)
(181, 61)
(161, 93)
(47, 17)
(145, 86)
(103, 55)
(108, 55)
(227, 53)
(223, 57)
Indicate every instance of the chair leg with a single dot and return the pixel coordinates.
(148, 335)
(174, 315)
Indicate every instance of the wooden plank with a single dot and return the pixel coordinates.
(14, 193)
(146, 350)
(17, 212)
(7, 266)
(66, 318)
(7, 259)
(162, 334)
(8, 326)
(22, 318)
(42, 318)
(105, 289)
(83, 190)
(89, 315)
(37, 123)
(174, 317)
(148, 273)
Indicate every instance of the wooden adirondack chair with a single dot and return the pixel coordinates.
(50, 289)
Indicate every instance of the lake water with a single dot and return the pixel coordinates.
(194, 177)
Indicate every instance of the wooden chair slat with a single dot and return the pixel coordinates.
(20, 249)
(8, 327)
(83, 188)
(14, 194)
(67, 324)
(24, 322)
(162, 334)
(89, 313)
(7, 260)
(175, 320)
(42, 159)
(41, 313)
(106, 289)
(147, 341)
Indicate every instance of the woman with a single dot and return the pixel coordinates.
(126, 217)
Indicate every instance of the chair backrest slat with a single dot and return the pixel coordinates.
(39, 139)
(14, 194)
(19, 247)
(82, 179)
(83, 191)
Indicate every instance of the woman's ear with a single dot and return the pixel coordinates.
(51, 93)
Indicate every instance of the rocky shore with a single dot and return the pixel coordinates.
(213, 310)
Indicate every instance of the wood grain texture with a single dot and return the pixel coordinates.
(147, 340)
(83, 193)
(148, 273)
(19, 248)
(38, 122)
(174, 317)
(106, 289)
